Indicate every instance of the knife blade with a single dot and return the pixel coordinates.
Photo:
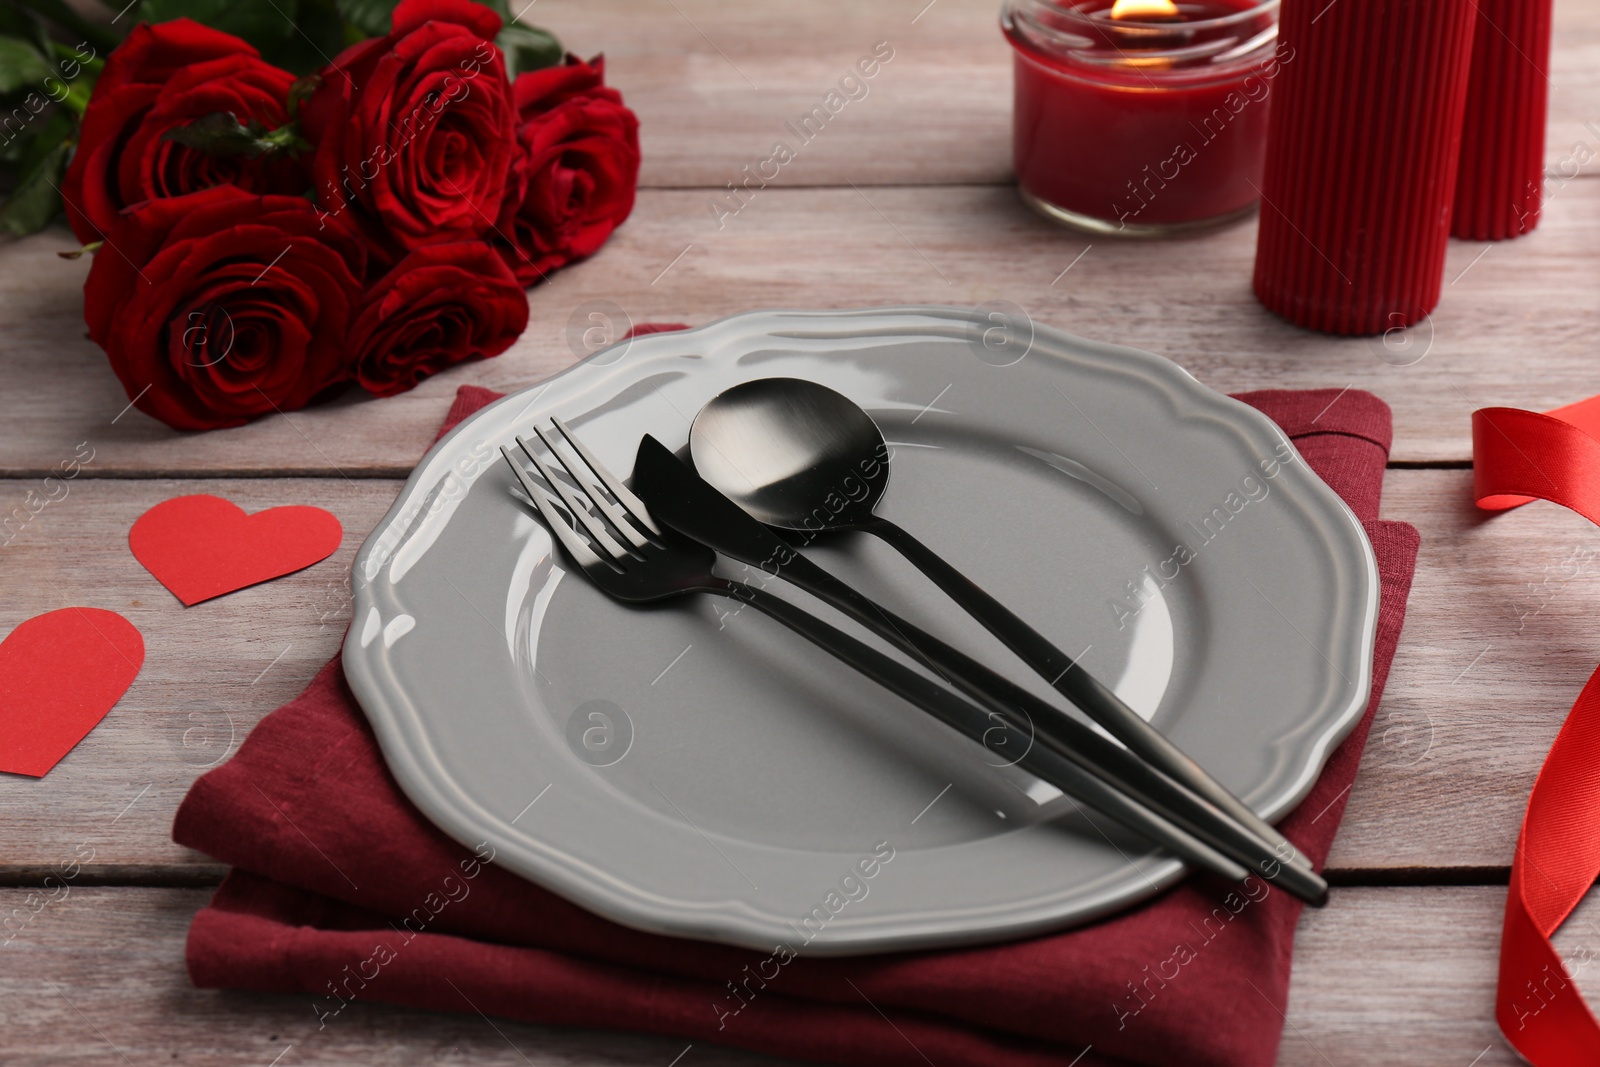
(679, 498)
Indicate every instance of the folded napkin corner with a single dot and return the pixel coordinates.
(342, 891)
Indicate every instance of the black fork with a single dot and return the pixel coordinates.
(630, 558)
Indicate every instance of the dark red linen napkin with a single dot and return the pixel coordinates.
(342, 890)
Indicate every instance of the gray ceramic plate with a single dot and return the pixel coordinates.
(698, 773)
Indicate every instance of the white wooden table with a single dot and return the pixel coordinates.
(904, 197)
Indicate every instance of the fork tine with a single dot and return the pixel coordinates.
(597, 530)
(541, 499)
(581, 474)
(630, 503)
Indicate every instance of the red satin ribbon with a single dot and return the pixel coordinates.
(1519, 456)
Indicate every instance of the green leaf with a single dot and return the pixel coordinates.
(52, 128)
(528, 48)
(370, 17)
(256, 21)
(35, 141)
(15, 22)
(75, 58)
(300, 91)
(79, 91)
(21, 66)
(499, 8)
(298, 35)
(374, 18)
(11, 154)
(36, 199)
(222, 134)
(103, 38)
(318, 39)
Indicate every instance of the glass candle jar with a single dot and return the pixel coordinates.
(1146, 124)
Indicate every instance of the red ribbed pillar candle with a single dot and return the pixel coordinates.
(1361, 161)
(1500, 186)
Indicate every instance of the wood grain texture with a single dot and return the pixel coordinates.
(1391, 976)
(1507, 308)
(935, 111)
(903, 198)
(715, 84)
(98, 978)
(210, 671)
(1501, 635)
(715, 81)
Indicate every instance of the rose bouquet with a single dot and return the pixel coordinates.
(261, 240)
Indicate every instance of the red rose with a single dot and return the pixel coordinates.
(578, 164)
(221, 305)
(162, 77)
(414, 130)
(441, 305)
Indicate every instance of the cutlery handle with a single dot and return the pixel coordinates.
(682, 500)
(1069, 679)
(1068, 737)
(987, 730)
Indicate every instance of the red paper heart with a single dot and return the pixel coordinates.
(59, 674)
(204, 546)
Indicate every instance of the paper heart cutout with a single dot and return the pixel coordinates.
(59, 674)
(203, 546)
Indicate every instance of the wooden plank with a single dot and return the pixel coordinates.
(1395, 976)
(1500, 636)
(1486, 671)
(715, 82)
(210, 671)
(98, 977)
(1499, 641)
(1504, 306)
(1191, 299)
(1407, 976)
(1574, 91)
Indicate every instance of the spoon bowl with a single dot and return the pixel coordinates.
(799, 456)
(794, 454)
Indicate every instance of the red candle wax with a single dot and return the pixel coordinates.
(1137, 126)
(1362, 162)
(1500, 184)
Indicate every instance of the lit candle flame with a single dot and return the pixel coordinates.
(1144, 9)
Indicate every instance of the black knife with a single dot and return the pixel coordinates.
(681, 499)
